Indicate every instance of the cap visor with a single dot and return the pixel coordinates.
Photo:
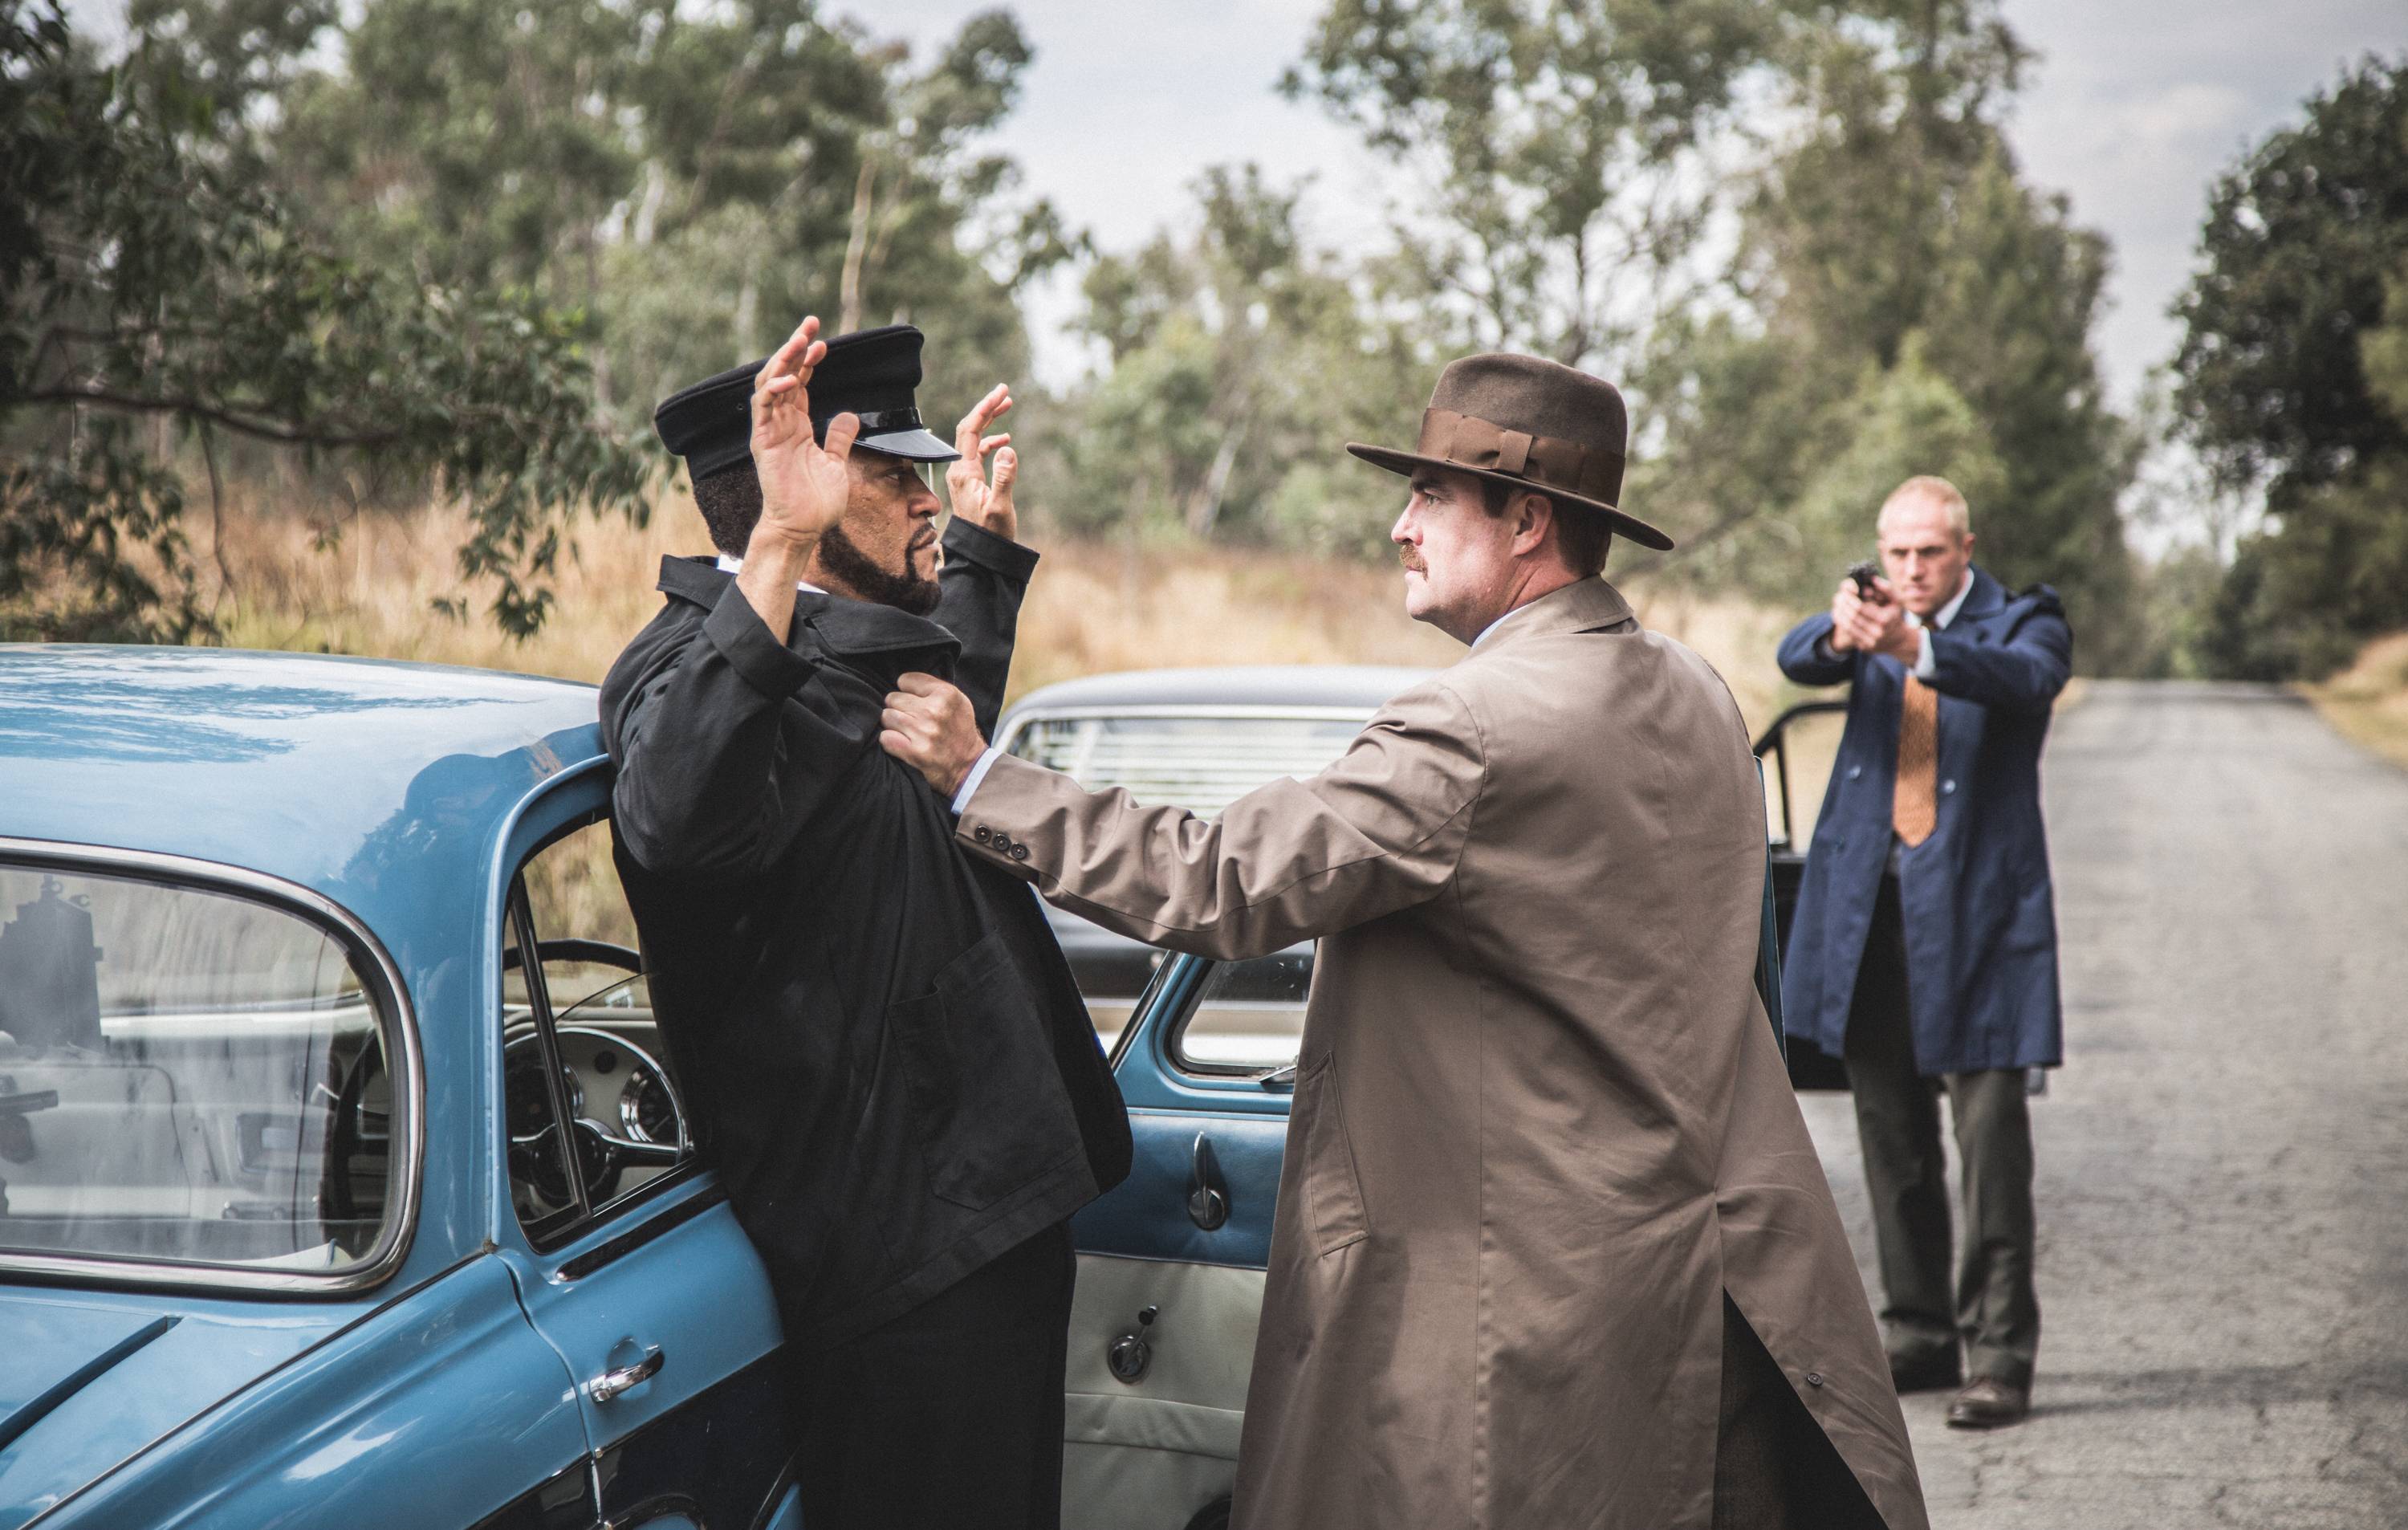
(1624, 523)
(917, 445)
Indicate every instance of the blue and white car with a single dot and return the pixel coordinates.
(321, 1206)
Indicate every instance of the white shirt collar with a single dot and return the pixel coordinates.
(1947, 613)
(735, 565)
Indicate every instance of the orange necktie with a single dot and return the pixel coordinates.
(1915, 808)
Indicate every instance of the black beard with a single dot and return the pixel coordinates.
(853, 568)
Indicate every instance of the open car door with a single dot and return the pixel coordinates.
(1795, 755)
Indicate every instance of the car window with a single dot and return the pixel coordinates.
(1201, 763)
(582, 1059)
(188, 1075)
(1248, 1016)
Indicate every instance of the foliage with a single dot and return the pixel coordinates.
(1238, 359)
(1560, 144)
(144, 280)
(2293, 376)
(1902, 303)
(607, 155)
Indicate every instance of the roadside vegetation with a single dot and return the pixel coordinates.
(273, 579)
(2369, 701)
(366, 257)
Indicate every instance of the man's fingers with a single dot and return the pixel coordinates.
(973, 426)
(840, 432)
(798, 349)
(1006, 468)
(916, 684)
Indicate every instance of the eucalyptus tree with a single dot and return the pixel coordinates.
(2292, 379)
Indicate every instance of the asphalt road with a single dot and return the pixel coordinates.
(2223, 1183)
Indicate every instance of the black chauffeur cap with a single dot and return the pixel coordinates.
(870, 373)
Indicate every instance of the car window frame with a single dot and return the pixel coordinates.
(558, 1232)
(388, 996)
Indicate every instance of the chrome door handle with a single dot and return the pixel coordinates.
(610, 1383)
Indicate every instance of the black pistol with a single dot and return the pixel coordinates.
(1863, 572)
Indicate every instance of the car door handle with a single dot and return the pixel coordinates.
(1208, 1195)
(610, 1383)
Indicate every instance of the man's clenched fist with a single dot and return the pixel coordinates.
(928, 726)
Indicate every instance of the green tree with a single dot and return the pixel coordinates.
(142, 281)
(1901, 298)
(1562, 146)
(2291, 378)
(1239, 359)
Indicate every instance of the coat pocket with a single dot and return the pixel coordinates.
(1334, 1214)
(989, 1101)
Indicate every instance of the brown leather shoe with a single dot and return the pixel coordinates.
(1988, 1402)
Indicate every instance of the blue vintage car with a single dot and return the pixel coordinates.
(321, 1203)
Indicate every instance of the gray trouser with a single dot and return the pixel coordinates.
(1995, 1310)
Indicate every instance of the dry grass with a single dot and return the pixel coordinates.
(2369, 701)
(1094, 606)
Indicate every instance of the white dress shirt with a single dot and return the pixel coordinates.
(735, 565)
(1925, 666)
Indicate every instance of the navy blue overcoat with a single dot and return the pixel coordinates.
(1981, 915)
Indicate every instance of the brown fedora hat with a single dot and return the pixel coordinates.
(1529, 422)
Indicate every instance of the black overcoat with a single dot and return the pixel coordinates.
(1979, 909)
(881, 1045)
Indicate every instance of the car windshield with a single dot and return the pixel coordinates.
(1202, 763)
(185, 1076)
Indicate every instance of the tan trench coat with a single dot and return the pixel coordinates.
(1540, 1123)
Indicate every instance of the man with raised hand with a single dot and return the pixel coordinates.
(884, 1053)
(1552, 1247)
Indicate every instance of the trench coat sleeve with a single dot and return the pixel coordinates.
(2022, 674)
(983, 584)
(1806, 658)
(711, 759)
(1380, 830)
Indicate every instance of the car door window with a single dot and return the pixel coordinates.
(1249, 1017)
(192, 1076)
(590, 1097)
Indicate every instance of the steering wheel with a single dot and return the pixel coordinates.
(602, 1156)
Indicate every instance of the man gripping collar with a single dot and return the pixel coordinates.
(1552, 1245)
(885, 1055)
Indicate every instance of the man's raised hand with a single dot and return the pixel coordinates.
(984, 504)
(804, 484)
(1866, 626)
(928, 726)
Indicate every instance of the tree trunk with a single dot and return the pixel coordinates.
(856, 245)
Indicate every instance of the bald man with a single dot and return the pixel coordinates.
(1924, 950)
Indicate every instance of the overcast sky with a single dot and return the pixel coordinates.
(2133, 109)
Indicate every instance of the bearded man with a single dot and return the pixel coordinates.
(885, 1055)
(1552, 1249)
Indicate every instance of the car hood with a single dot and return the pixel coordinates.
(90, 1378)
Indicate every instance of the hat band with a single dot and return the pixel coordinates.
(1468, 441)
(887, 421)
